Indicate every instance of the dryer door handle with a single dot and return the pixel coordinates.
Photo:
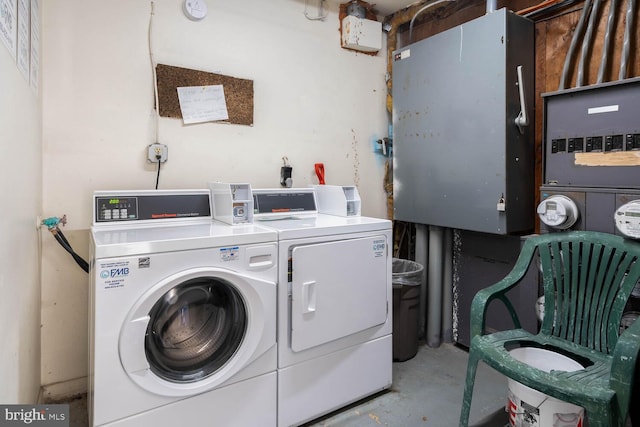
(309, 297)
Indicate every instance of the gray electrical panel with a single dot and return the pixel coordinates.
(460, 159)
(592, 136)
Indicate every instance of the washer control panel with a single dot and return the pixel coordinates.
(627, 219)
(558, 211)
(116, 208)
(132, 206)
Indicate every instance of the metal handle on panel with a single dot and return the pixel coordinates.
(523, 119)
(309, 297)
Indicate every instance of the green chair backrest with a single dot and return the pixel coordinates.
(587, 278)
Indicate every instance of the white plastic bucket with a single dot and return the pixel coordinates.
(530, 408)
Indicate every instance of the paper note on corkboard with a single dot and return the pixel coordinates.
(238, 93)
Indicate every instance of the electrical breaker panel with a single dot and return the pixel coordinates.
(592, 136)
(463, 142)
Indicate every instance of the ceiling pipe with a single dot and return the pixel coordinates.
(426, 7)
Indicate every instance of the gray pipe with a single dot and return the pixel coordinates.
(574, 42)
(586, 43)
(606, 45)
(626, 45)
(422, 251)
(428, 6)
(491, 6)
(447, 287)
(434, 284)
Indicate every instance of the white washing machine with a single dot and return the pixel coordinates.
(182, 314)
(334, 304)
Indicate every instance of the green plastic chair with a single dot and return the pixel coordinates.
(587, 278)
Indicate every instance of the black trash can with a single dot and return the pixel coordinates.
(406, 278)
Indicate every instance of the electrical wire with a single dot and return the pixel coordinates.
(155, 86)
(158, 174)
(539, 6)
(606, 45)
(536, 14)
(153, 71)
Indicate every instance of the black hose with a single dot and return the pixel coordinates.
(63, 237)
(60, 238)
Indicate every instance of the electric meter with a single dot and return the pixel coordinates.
(627, 219)
(559, 212)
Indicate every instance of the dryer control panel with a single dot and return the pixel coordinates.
(284, 202)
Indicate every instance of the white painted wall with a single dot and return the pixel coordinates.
(314, 102)
(21, 192)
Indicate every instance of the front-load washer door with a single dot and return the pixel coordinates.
(195, 330)
(338, 288)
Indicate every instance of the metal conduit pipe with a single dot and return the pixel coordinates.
(434, 285)
(586, 43)
(447, 287)
(574, 42)
(491, 6)
(422, 251)
(428, 6)
(606, 45)
(626, 45)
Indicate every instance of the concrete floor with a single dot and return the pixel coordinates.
(426, 392)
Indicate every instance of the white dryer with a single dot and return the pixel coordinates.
(182, 314)
(334, 304)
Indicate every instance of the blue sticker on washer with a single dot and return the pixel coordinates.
(114, 274)
(379, 247)
(229, 254)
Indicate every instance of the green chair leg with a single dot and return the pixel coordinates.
(472, 366)
(602, 416)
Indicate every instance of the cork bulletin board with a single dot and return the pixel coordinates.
(238, 93)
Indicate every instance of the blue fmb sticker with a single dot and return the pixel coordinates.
(114, 274)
